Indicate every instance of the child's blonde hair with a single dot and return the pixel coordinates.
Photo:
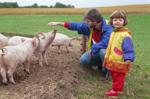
(118, 14)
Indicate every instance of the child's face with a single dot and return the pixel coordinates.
(118, 22)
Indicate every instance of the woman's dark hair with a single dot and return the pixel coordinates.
(93, 15)
(118, 14)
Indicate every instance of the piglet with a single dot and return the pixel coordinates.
(15, 40)
(45, 41)
(11, 56)
(62, 40)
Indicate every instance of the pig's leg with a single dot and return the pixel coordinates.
(4, 77)
(10, 72)
(40, 59)
(27, 65)
(45, 58)
(67, 48)
(59, 49)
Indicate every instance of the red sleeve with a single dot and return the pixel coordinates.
(66, 24)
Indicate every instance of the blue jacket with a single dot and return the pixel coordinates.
(83, 28)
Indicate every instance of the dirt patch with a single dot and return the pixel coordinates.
(55, 81)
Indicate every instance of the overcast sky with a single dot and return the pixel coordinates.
(80, 3)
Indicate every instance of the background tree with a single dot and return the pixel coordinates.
(35, 5)
(61, 5)
(8, 5)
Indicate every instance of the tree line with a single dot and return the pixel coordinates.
(35, 5)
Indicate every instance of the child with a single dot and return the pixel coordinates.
(119, 53)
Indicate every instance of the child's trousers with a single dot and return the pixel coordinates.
(118, 80)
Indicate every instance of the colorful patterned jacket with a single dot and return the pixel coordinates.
(120, 49)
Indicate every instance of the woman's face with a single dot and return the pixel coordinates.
(118, 22)
(91, 23)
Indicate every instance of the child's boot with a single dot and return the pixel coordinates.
(112, 93)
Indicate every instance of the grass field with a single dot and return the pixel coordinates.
(31, 24)
(137, 86)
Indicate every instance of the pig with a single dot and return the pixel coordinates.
(3, 40)
(11, 56)
(15, 40)
(45, 41)
(62, 40)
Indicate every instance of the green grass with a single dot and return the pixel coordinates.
(136, 87)
(31, 24)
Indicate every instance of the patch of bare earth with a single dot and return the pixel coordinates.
(54, 81)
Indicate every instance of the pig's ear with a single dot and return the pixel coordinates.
(34, 42)
(40, 34)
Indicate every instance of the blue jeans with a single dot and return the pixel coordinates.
(97, 60)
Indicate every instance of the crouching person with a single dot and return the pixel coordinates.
(119, 54)
(11, 56)
(98, 33)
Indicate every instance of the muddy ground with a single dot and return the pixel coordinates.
(57, 80)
